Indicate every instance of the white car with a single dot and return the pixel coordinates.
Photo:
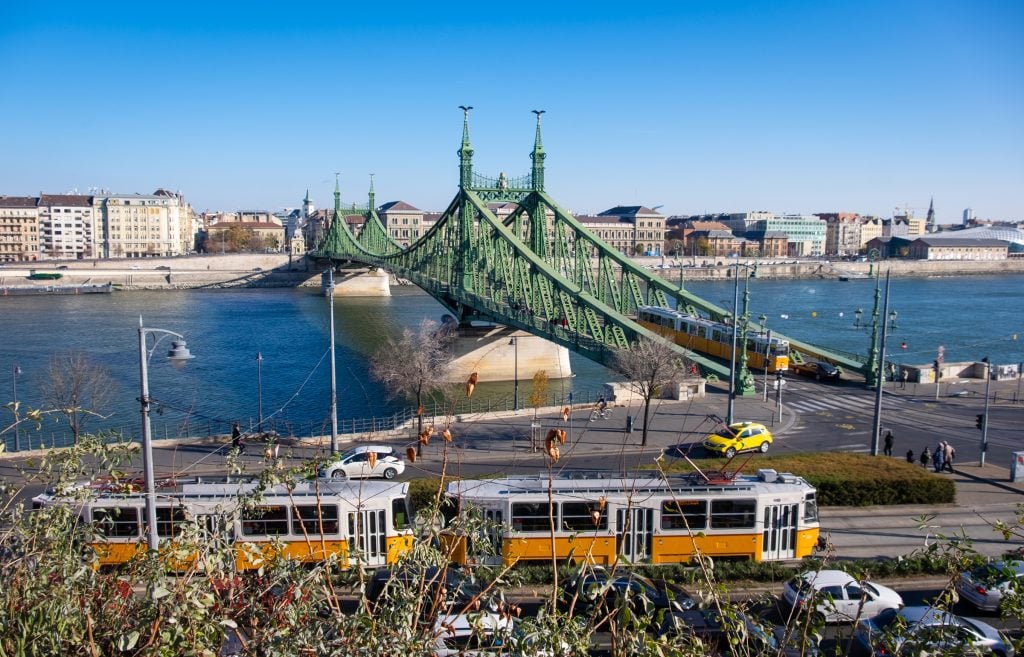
(838, 597)
(473, 634)
(985, 586)
(355, 464)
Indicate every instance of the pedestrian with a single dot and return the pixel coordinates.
(948, 455)
(925, 457)
(236, 438)
(937, 456)
(910, 456)
(904, 376)
(888, 443)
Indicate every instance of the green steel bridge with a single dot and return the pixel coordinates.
(537, 270)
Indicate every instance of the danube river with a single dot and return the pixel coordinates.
(971, 317)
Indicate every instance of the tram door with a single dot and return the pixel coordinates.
(367, 537)
(635, 528)
(486, 547)
(778, 540)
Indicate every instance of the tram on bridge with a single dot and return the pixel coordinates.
(764, 517)
(353, 523)
(713, 338)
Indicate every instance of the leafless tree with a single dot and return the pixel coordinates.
(649, 366)
(413, 365)
(77, 388)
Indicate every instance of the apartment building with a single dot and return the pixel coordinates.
(140, 225)
(68, 226)
(842, 233)
(19, 228)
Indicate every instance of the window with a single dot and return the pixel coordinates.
(399, 513)
(683, 514)
(579, 516)
(169, 520)
(307, 517)
(265, 521)
(531, 517)
(117, 521)
(810, 508)
(732, 514)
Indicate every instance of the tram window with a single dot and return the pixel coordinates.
(117, 521)
(702, 332)
(400, 513)
(265, 521)
(580, 516)
(309, 516)
(531, 517)
(684, 514)
(169, 520)
(732, 514)
(810, 508)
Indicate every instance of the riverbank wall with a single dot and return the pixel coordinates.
(216, 271)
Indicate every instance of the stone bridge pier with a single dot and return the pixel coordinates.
(499, 353)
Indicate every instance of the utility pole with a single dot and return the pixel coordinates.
(984, 423)
(880, 371)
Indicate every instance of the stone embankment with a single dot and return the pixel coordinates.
(214, 271)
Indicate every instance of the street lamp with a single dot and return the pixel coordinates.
(880, 369)
(17, 427)
(762, 320)
(514, 341)
(857, 314)
(259, 390)
(743, 374)
(984, 425)
(334, 386)
(178, 356)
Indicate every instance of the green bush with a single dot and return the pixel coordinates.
(845, 479)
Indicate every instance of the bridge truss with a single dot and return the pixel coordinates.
(538, 269)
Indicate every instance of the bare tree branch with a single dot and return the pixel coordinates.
(649, 366)
(77, 388)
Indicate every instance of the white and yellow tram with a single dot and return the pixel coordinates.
(364, 522)
(764, 517)
(714, 339)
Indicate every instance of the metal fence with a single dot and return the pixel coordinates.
(31, 438)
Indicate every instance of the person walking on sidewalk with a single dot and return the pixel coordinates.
(937, 456)
(888, 443)
(925, 457)
(910, 456)
(236, 439)
(904, 375)
(948, 455)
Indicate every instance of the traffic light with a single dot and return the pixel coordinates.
(980, 422)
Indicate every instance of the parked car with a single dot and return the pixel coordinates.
(985, 586)
(355, 464)
(837, 597)
(164, 268)
(62, 266)
(927, 630)
(444, 591)
(597, 594)
(755, 638)
(473, 635)
(739, 437)
(817, 369)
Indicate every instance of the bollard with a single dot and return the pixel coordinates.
(629, 424)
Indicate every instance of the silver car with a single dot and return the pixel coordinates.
(985, 586)
(356, 463)
(927, 630)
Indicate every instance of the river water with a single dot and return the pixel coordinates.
(970, 316)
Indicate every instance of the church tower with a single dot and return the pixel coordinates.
(929, 222)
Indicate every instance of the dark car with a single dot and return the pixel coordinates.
(442, 590)
(817, 369)
(599, 596)
(164, 267)
(754, 639)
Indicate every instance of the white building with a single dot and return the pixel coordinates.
(139, 225)
(68, 226)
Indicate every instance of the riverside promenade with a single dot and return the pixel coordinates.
(499, 443)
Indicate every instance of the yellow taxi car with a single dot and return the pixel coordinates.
(739, 437)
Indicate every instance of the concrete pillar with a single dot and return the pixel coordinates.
(486, 351)
(360, 283)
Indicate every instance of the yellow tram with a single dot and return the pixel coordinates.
(764, 517)
(707, 337)
(367, 523)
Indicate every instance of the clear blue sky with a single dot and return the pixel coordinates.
(694, 106)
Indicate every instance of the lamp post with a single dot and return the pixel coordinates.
(857, 314)
(178, 356)
(984, 425)
(259, 390)
(15, 371)
(334, 387)
(880, 372)
(514, 341)
(743, 374)
(873, 372)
